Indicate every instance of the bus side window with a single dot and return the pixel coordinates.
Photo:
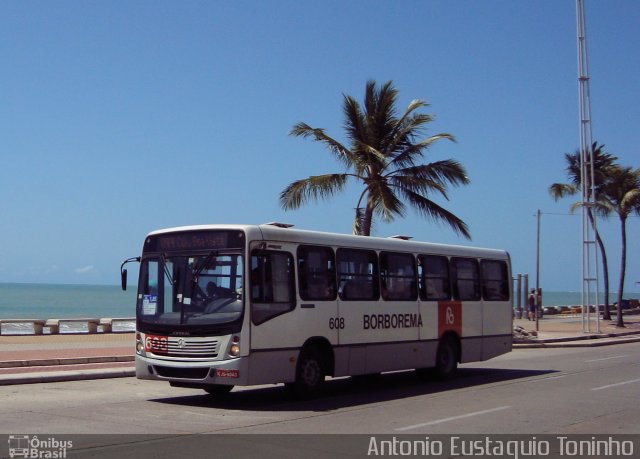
(358, 274)
(398, 276)
(466, 279)
(495, 280)
(434, 278)
(316, 273)
(272, 285)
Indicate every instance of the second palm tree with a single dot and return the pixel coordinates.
(384, 154)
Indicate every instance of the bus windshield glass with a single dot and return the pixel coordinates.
(179, 289)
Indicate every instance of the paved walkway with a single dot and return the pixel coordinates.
(46, 358)
(570, 331)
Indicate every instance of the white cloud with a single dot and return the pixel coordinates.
(84, 269)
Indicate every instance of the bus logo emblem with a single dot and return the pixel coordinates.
(449, 317)
(182, 343)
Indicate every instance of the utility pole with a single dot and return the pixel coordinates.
(538, 306)
(587, 182)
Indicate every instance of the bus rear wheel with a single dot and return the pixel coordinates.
(446, 359)
(310, 375)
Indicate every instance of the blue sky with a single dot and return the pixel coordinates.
(121, 117)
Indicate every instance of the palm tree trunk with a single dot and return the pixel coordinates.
(606, 315)
(623, 267)
(368, 219)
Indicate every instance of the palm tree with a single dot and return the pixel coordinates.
(621, 194)
(602, 162)
(384, 156)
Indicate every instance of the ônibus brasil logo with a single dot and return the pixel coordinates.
(33, 447)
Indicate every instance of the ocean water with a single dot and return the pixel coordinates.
(49, 301)
(57, 301)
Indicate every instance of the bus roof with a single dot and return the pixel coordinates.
(284, 233)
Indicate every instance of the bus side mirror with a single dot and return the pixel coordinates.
(123, 272)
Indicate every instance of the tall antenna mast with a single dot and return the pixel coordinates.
(587, 183)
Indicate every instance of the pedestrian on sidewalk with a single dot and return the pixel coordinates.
(531, 300)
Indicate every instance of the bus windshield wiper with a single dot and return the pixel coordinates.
(166, 270)
(204, 264)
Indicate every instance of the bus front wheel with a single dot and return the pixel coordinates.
(310, 375)
(217, 389)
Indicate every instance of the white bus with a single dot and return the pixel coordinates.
(225, 305)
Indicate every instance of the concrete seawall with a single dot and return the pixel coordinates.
(90, 325)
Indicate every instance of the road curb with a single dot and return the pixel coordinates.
(576, 342)
(64, 376)
(589, 337)
(66, 361)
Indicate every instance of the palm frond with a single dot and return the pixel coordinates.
(561, 190)
(371, 155)
(315, 187)
(418, 185)
(385, 201)
(342, 153)
(410, 123)
(602, 163)
(354, 120)
(408, 155)
(444, 172)
(621, 189)
(631, 201)
(433, 211)
(601, 208)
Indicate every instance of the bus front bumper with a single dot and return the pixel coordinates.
(232, 372)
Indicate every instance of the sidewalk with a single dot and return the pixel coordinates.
(52, 358)
(563, 331)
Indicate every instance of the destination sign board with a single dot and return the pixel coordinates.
(186, 241)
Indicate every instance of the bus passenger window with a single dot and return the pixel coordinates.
(398, 276)
(316, 273)
(357, 274)
(495, 280)
(466, 279)
(434, 278)
(272, 285)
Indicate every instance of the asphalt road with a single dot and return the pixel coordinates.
(583, 390)
(529, 391)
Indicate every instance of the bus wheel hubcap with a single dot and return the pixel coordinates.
(311, 373)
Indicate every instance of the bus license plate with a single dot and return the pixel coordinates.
(220, 373)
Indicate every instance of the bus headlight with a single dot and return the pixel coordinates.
(234, 350)
(139, 344)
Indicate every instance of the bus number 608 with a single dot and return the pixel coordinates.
(336, 323)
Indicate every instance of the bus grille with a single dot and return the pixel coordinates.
(181, 347)
(184, 373)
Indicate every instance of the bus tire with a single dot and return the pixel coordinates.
(310, 375)
(446, 359)
(217, 389)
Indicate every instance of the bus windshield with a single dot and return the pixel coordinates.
(179, 289)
